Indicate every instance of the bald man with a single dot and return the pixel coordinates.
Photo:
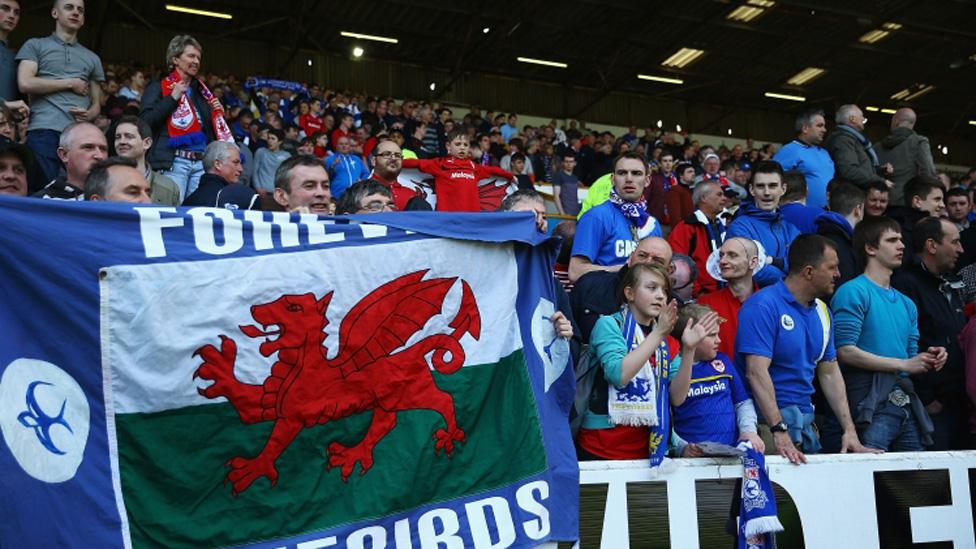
(738, 258)
(596, 293)
(908, 153)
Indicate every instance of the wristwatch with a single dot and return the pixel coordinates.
(780, 427)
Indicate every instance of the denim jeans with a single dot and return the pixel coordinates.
(44, 145)
(892, 428)
(186, 174)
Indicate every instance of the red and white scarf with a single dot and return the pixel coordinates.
(184, 124)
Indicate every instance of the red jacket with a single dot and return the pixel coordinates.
(691, 237)
(679, 203)
(456, 181)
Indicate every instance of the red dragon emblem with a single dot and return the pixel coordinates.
(306, 389)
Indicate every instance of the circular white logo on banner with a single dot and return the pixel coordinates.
(787, 322)
(44, 419)
(553, 350)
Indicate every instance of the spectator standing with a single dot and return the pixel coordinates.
(958, 207)
(737, 260)
(876, 334)
(184, 115)
(608, 233)
(386, 170)
(876, 203)
(762, 221)
(793, 204)
(805, 155)
(266, 162)
(928, 281)
(345, 167)
(923, 199)
(700, 234)
(565, 185)
(132, 140)
(61, 78)
(785, 338)
(908, 153)
(838, 224)
(9, 94)
(853, 154)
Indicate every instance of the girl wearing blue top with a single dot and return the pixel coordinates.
(716, 406)
(629, 416)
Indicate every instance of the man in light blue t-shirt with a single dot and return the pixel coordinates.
(876, 331)
(785, 337)
(608, 233)
(805, 155)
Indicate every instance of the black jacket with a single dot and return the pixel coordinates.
(830, 226)
(940, 321)
(215, 192)
(906, 217)
(595, 294)
(155, 110)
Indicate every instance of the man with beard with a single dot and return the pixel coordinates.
(387, 166)
(804, 154)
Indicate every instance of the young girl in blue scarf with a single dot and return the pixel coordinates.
(629, 416)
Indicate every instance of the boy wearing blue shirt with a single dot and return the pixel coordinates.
(717, 407)
(785, 337)
(608, 233)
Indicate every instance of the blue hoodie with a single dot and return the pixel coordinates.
(772, 231)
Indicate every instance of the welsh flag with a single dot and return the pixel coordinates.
(197, 377)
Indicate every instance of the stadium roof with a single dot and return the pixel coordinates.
(877, 53)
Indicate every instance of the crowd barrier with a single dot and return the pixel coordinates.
(835, 501)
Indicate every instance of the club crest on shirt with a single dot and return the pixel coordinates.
(787, 321)
(718, 365)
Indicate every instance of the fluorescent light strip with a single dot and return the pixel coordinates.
(660, 79)
(871, 109)
(372, 37)
(542, 62)
(682, 57)
(972, 122)
(873, 36)
(745, 13)
(193, 11)
(785, 96)
(887, 111)
(891, 26)
(920, 93)
(761, 3)
(805, 76)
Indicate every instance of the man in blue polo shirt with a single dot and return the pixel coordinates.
(609, 232)
(785, 337)
(805, 155)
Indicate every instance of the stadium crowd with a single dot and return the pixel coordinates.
(811, 298)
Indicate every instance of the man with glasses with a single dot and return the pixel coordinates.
(609, 232)
(854, 156)
(386, 170)
(364, 197)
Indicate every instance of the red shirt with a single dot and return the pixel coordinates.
(311, 124)
(456, 181)
(727, 306)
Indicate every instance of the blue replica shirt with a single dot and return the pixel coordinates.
(881, 321)
(708, 413)
(802, 217)
(814, 163)
(774, 325)
(604, 235)
(344, 170)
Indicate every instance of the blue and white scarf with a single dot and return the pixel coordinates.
(253, 82)
(635, 212)
(634, 403)
(757, 506)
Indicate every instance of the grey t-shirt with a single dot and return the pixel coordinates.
(56, 58)
(568, 187)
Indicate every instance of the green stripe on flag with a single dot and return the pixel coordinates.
(172, 464)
